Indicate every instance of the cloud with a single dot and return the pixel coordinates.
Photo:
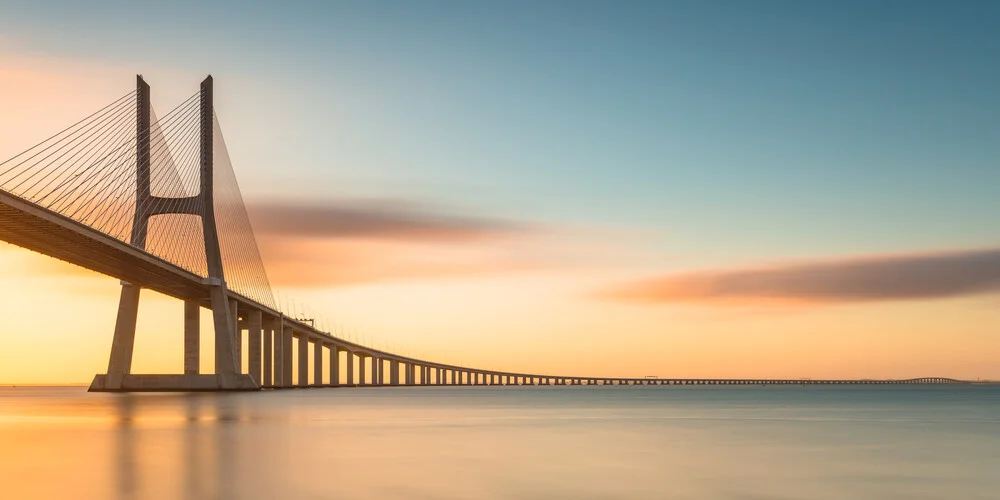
(312, 263)
(862, 279)
(383, 219)
(346, 242)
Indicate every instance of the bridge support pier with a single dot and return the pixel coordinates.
(254, 327)
(350, 368)
(268, 354)
(303, 361)
(286, 356)
(123, 343)
(334, 365)
(318, 363)
(192, 338)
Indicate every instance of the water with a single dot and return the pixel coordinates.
(531, 443)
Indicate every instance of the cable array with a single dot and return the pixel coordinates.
(241, 259)
(88, 172)
(175, 175)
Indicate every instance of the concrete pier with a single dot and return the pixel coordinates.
(287, 356)
(268, 361)
(303, 361)
(334, 365)
(237, 335)
(317, 363)
(192, 337)
(350, 368)
(254, 332)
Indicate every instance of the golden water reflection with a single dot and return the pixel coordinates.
(502, 443)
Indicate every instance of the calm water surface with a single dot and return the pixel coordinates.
(532, 443)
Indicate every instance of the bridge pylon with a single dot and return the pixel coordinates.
(227, 374)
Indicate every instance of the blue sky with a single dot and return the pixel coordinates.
(741, 129)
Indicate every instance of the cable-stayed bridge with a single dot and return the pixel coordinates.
(154, 202)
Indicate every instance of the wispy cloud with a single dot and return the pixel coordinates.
(383, 219)
(306, 263)
(344, 242)
(859, 279)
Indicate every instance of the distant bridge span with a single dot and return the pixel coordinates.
(145, 204)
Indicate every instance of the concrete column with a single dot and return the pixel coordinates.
(377, 371)
(393, 372)
(192, 337)
(268, 365)
(120, 363)
(254, 333)
(361, 370)
(279, 353)
(334, 365)
(350, 367)
(303, 360)
(286, 354)
(238, 336)
(318, 363)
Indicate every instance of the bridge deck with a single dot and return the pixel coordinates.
(36, 228)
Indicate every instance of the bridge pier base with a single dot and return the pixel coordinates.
(175, 383)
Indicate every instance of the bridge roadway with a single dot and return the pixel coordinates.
(270, 333)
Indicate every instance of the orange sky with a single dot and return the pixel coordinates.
(538, 300)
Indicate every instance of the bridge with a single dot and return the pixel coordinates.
(154, 202)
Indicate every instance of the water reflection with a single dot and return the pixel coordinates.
(499, 443)
(208, 458)
(125, 442)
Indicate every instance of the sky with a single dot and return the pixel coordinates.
(682, 189)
